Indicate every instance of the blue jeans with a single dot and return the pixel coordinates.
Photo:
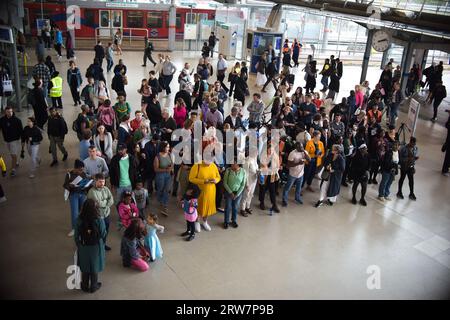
(393, 113)
(109, 65)
(45, 90)
(162, 183)
(231, 206)
(386, 181)
(310, 172)
(298, 188)
(76, 200)
(324, 81)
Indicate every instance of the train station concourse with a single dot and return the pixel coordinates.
(342, 195)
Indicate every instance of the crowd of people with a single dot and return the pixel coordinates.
(340, 143)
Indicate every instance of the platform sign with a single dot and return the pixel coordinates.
(124, 5)
(413, 116)
(205, 31)
(41, 23)
(190, 31)
(256, 43)
(278, 44)
(6, 34)
(154, 33)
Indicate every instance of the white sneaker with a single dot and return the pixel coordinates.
(31, 176)
(197, 227)
(206, 226)
(71, 233)
(387, 199)
(381, 199)
(2, 199)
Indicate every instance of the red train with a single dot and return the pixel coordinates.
(114, 15)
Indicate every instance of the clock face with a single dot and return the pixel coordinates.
(381, 40)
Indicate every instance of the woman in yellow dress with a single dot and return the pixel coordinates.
(205, 175)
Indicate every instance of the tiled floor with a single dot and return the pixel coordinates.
(301, 253)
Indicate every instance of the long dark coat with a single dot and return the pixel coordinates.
(338, 167)
(91, 259)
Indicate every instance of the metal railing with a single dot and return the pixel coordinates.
(126, 33)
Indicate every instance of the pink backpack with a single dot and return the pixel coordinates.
(106, 116)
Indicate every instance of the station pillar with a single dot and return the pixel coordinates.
(385, 58)
(420, 57)
(18, 89)
(326, 32)
(366, 58)
(172, 25)
(406, 64)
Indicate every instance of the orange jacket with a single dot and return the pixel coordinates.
(311, 149)
(378, 115)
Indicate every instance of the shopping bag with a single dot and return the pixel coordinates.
(7, 86)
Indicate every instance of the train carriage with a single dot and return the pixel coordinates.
(106, 17)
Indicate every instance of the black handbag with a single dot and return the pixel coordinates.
(325, 175)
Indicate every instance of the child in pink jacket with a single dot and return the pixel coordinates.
(127, 209)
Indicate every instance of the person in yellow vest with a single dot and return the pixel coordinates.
(56, 90)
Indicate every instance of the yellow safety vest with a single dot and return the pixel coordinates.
(56, 90)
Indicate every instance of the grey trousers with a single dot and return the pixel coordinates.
(56, 141)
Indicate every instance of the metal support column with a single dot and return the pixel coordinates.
(15, 63)
(326, 31)
(365, 64)
(172, 25)
(423, 64)
(385, 58)
(406, 64)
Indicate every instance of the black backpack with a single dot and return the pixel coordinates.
(76, 125)
(89, 235)
(85, 94)
(89, 72)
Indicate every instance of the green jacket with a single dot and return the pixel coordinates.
(234, 182)
(104, 199)
(91, 259)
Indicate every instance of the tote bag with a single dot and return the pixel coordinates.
(7, 85)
